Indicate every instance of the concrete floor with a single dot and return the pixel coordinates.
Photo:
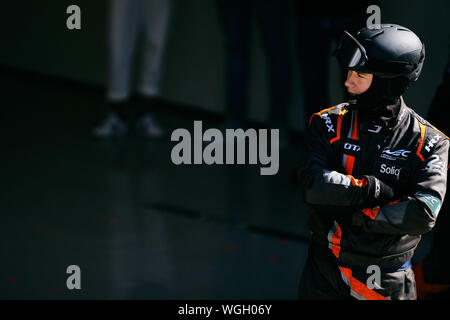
(136, 225)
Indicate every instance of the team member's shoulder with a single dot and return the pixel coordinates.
(431, 138)
(328, 120)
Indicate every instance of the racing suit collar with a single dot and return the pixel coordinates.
(399, 118)
(384, 115)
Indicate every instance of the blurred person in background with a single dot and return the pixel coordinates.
(131, 20)
(272, 20)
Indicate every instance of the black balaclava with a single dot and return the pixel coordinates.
(381, 102)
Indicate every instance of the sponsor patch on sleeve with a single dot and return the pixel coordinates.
(432, 202)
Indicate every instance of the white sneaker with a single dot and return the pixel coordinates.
(148, 127)
(111, 127)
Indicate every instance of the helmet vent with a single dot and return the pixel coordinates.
(376, 34)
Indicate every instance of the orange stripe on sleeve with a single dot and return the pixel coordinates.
(338, 128)
(394, 202)
(356, 182)
(422, 137)
(371, 212)
(319, 113)
(336, 241)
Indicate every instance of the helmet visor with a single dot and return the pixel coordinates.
(350, 53)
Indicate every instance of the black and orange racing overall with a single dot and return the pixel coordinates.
(356, 225)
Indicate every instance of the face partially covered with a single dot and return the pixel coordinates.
(357, 82)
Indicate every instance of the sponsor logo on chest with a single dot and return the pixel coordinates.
(351, 146)
(400, 154)
(390, 170)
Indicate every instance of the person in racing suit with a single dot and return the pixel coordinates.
(375, 173)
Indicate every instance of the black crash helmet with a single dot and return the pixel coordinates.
(386, 50)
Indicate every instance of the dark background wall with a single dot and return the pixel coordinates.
(35, 38)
